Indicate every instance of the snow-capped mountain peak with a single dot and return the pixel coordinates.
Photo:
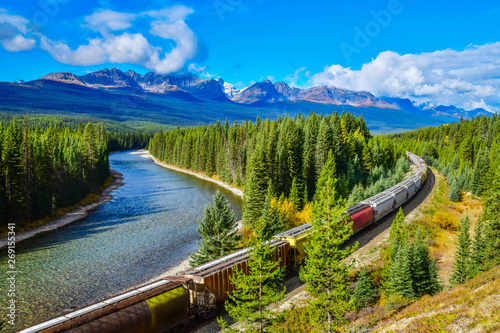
(228, 88)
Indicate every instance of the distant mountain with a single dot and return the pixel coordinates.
(201, 88)
(216, 89)
(228, 88)
(185, 99)
(64, 78)
(267, 92)
(448, 113)
(109, 78)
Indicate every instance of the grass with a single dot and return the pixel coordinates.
(440, 220)
(474, 304)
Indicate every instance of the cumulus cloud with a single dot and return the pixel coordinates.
(14, 33)
(106, 19)
(132, 48)
(469, 78)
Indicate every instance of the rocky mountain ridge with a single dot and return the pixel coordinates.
(190, 86)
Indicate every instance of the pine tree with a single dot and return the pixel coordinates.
(13, 171)
(325, 271)
(253, 293)
(398, 234)
(462, 254)
(454, 190)
(296, 198)
(364, 291)
(329, 172)
(272, 220)
(255, 187)
(425, 280)
(480, 171)
(400, 284)
(218, 230)
(492, 219)
(477, 255)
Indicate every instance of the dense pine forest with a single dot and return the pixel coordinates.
(284, 157)
(466, 153)
(44, 167)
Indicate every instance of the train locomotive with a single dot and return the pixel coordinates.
(168, 304)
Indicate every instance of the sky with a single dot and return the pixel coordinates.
(442, 52)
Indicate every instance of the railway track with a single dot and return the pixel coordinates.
(363, 237)
(366, 235)
(196, 294)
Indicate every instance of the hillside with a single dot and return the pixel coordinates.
(471, 307)
(185, 100)
(176, 107)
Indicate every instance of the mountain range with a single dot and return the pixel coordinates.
(186, 99)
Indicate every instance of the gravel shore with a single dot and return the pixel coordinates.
(78, 214)
(235, 190)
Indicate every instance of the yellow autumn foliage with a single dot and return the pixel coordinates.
(293, 217)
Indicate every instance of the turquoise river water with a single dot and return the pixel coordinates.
(148, 228)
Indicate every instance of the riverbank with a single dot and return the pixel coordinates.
(76, 215)
(234, 190)
(184, 265)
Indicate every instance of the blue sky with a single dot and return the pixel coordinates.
(445, 52)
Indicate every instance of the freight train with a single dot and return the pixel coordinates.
(169, 304)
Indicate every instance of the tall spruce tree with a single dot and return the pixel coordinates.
(400, 284)
(424, 274)
(477, 255)
(272, 220)
(364, 291)
(256, 185)
(218, 230)
(492, 221)
(462, 254)
(255, 291)
(325, 272)
(454, 190)
(296, 196)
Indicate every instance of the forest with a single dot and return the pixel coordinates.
(46, 166)
(331, 162)
(465, 151)
(284, 158)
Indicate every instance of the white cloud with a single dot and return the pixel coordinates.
(193, 68)
(85, 55)
(106, 19)
(293, 79)
(172, 14)
(18, 43)
(130, 48)
(186, 45)
(14, 33)
(468, 78)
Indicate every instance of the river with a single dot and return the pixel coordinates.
(148, 228)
